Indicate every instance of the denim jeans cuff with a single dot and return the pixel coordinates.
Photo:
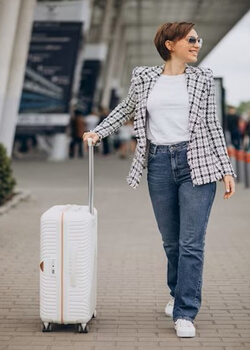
(184, 318)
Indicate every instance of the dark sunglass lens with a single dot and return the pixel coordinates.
(192, 40)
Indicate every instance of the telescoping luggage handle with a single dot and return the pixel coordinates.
(91, 176)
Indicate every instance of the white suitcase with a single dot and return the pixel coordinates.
(68, 262)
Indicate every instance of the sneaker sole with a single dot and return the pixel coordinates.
(185, 334)
(168, 314)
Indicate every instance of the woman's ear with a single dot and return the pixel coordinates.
(169, 45)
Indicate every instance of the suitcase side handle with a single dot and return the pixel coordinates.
(91, 176)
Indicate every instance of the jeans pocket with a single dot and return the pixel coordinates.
(151, 156)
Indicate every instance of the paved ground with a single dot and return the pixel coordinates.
(131, 265)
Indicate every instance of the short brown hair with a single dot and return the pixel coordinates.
(173, 31)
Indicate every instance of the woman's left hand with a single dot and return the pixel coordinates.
(229, 186)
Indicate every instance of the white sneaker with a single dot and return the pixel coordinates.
(169, 308)
(184, 328)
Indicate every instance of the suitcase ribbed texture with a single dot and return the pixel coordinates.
(48, 283)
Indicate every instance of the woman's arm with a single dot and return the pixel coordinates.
(122, 112)
(215, 129)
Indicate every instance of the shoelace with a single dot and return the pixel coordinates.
(183, 323)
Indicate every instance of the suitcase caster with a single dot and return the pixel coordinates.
(46, 327)
(94, 314)
(82, 328)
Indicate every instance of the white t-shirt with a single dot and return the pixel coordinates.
(168, 110)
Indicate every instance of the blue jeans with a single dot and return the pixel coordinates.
(182, 213)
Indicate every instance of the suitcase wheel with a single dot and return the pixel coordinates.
(82, 328)
(94, 314)
(46, 327)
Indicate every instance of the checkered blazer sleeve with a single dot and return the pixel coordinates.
(215, 129)
(120, 114)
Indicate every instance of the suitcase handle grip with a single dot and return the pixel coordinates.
(91, 176)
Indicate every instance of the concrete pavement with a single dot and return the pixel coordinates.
(132, 292)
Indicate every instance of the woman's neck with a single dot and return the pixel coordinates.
(174, 68)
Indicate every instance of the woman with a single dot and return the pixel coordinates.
(181, 142)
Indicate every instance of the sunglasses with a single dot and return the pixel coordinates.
(192, 40)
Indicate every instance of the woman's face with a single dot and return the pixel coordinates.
(183, 50)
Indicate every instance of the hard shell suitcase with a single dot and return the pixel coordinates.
(68, 262)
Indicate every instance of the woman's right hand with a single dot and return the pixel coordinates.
(91, 135)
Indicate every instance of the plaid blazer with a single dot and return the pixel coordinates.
(206, 153)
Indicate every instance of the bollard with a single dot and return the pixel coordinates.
(60, 146)
(240, 166)
(247, 169)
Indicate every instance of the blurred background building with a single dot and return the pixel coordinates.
(65, 64)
